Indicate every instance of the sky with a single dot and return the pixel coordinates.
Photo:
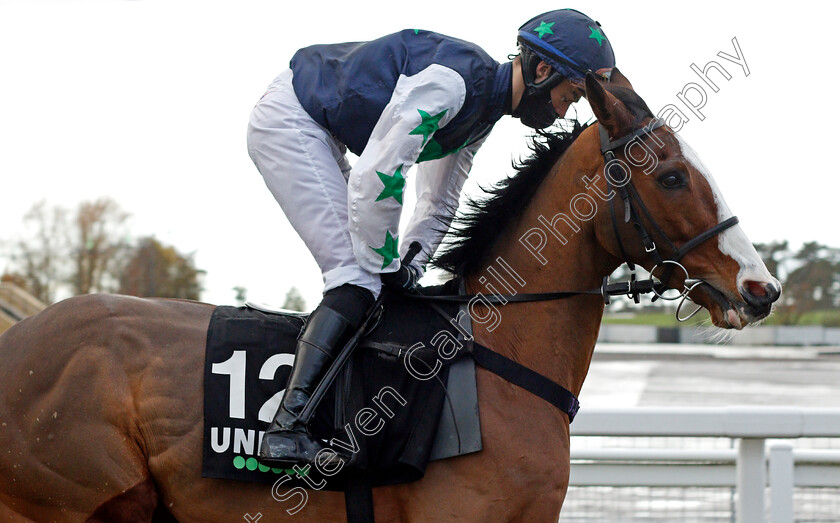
(147, 102)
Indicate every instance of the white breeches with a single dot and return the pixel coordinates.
(306, 170)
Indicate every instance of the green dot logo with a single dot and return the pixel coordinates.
(240, 462)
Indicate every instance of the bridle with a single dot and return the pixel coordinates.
(631, 199)
(632, 205)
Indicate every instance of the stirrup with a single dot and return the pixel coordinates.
(288, 448)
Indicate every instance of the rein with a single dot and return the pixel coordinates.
(606, 290)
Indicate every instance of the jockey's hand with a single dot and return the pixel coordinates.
(403, 279)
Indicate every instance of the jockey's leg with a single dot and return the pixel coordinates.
(306, 171)
(342, 311)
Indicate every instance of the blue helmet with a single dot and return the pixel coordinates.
(569, 41)
(572, 44)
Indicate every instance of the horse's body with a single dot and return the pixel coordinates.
(101, 396)
(109, 423)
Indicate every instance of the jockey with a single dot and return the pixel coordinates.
(409, 97)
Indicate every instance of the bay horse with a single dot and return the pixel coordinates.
(101, 396)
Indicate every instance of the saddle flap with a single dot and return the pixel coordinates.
(390, 411)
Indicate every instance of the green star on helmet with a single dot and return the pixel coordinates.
(394, 185)
(597, 35)
(544, 29)
(428, 124)
(388, 251)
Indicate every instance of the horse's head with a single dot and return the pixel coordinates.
(672, 197)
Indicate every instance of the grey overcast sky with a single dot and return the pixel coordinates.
(147, 102)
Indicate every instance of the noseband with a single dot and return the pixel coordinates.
(632, 201)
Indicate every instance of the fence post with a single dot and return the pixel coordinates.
(781, 483)
(751, 480)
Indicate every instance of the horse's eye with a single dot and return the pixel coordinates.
(672, 180)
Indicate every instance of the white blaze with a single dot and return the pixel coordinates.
(732, 242)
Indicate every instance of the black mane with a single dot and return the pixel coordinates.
(474, 232)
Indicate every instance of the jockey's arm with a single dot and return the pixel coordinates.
(439, 183)
(420, 105)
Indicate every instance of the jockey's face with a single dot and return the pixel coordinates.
(564, 94)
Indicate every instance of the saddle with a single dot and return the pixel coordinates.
(407, 395)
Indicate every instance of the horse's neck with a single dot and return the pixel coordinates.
(554, 337)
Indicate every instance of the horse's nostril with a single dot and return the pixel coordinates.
(756, 289)
(760, 294)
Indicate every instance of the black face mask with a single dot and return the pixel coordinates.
(535, 108)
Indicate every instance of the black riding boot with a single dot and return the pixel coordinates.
(287, 441)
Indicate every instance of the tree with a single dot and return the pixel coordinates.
(241, 295)
(813, 284)
(98, 242)
(155, 270)
(39, 257)
(774, 255)
(294, 301)
(89, 252)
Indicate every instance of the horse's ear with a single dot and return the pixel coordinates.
(608, 109)
(617, 78)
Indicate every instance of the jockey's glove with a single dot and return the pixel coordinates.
(404, 279)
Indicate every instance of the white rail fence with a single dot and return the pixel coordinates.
(764, 335)
(750, 467)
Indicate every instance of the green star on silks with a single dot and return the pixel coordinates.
(428, 125)
(388, 251)
(394, 185)
(544, 29)
(596, 34)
